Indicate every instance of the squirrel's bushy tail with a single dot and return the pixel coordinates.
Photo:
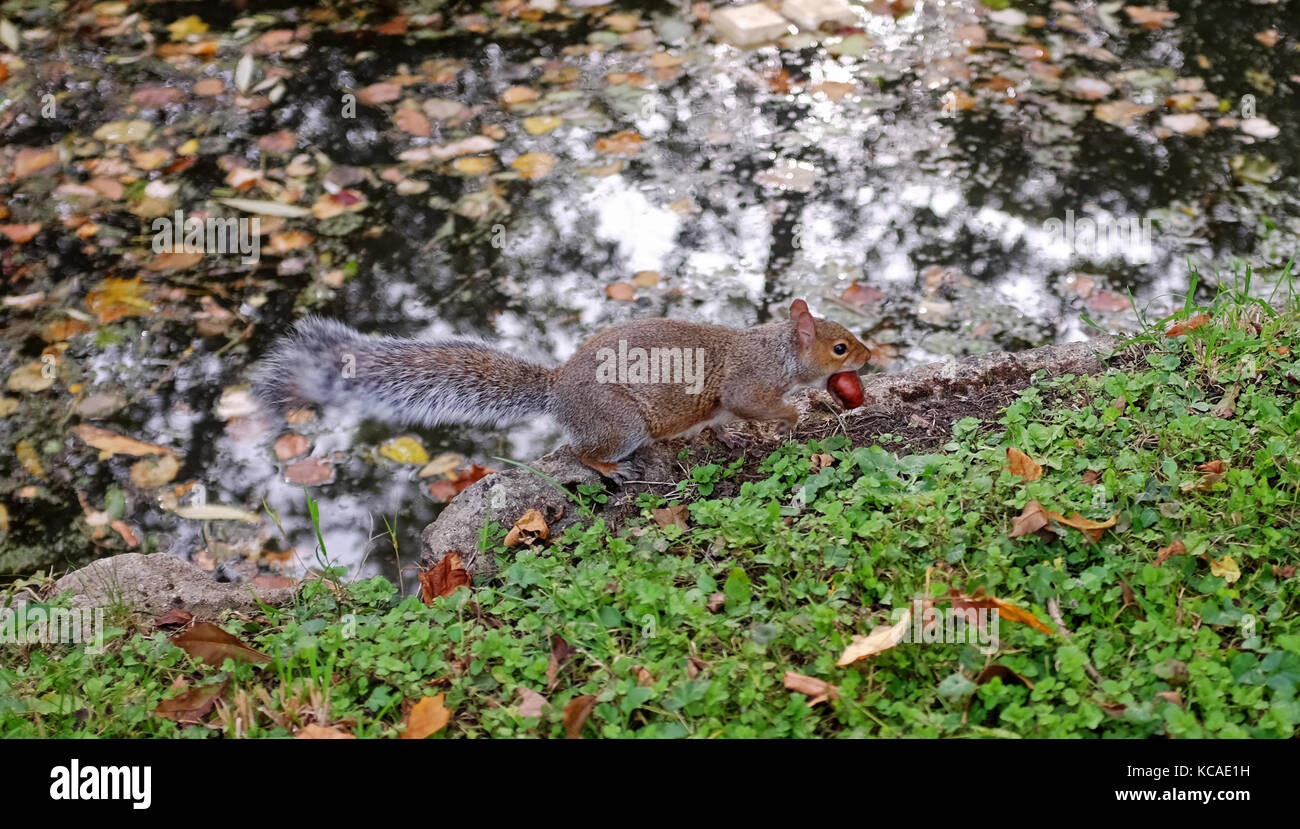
(428, 382)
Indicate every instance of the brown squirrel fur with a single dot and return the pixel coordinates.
(607, 407)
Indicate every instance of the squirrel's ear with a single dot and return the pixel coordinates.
(803, 321)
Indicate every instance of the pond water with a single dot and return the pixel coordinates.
(942, 178)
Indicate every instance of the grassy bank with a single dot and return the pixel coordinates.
(1181, 614)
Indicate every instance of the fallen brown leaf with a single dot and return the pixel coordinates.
(426, 717)
(531, 703)
(817, 690)
(674, 516)
(1187, 325)
(174, 616)
(443, 578)
(1031, 520)
(1177, 548)
(316, 731)
(1006, 610)
(190, 707)
(881, 639)
(576, 714)
(210, 644)
(1022, 465)
(560, 653)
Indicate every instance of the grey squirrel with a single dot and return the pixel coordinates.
(628, 385)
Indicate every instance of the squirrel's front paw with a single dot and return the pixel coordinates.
(729, 438)
(785, 430)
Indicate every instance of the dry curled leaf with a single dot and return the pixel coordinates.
(531, 525)
(1226, 568)
(1006, 610)
(881, 639)
(1035, 519)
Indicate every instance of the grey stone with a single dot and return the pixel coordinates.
(154, 584)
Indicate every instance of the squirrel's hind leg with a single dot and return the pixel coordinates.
(610, 454)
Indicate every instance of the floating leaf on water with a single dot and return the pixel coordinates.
(1119, 113)
(186, 26)
(9, 35)
(290, 446)
(150, 473)
(412, 122)
(518, 95)
(111, 443)
(216, 512)
(309, 472)
(1259, 128)
(124, 132)
(474, 165)
(534, 165)
(621, 291)
(379, 93)
(267, 208)
(405, 449)
(1149, 18)
(1188, 123)
(626, 142)
(541, 124)
(444, 464)
(1253, 169)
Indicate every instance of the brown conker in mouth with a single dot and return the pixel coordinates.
(847, 388)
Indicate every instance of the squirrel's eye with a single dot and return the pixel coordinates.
(840, 349)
